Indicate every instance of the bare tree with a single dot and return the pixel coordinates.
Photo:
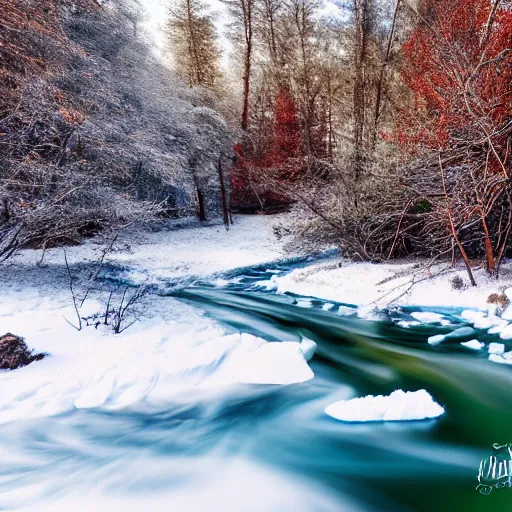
(194, 43)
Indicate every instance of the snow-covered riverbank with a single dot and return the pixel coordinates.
(371, 285)
(172, 347)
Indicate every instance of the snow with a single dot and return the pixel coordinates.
(180, 253)
(378, 285)
(172, 353)
(156, 361)
(398, 406)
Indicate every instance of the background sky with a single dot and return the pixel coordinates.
(156, 17)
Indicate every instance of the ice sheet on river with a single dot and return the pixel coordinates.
(398, 406)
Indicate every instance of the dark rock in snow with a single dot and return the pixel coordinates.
(14, 353)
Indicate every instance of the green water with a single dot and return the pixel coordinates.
(302, 455)
(425, 466)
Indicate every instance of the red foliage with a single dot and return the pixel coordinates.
(283, 162)
(287, 130)
(460, 74)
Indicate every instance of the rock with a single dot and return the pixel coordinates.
(14, 353)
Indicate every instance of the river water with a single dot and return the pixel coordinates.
(272, 448)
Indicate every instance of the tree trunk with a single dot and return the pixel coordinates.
(380, 83)
(200, 200)
(247, 15)
(360, 16)
(223, 196)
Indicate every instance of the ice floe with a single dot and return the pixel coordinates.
(496, 348)
(430, 318)
(505, 358)
(398, 406)
(473, 344)
(308, 348)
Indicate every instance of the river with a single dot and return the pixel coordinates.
(272, 448)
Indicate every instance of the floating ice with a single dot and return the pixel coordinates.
(477, 318)
(304, 303)
(461, 332)
(398, 406)
(505, 358)
(327, 306)
(496, 348)
(506, 333)
(473, 344)
(346, 311)
(308, 348)
(435, 340)
(406, 325)
(430, 318)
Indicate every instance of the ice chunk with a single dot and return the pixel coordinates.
(435, 340)
(308, 348)
(405, 324)
(430, 318)
(398, 406)
(260, 362)
(496, 348)
(506, 333)
(473, 344)
(477, 318)
(327, 306)
(304, 303)
(346, 311)
(505, 358)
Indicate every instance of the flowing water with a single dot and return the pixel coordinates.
(272, 448)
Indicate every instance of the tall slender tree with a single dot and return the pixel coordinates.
(243, 13)
(194, 43)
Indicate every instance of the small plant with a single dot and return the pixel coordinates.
(119, 307)
(117, 317)
(458, 283)
(500, 300)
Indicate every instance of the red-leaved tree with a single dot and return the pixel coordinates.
(458, 66)
(259, 181)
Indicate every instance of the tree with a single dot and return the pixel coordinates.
(458, 66)
(195, 48)
(243, 12)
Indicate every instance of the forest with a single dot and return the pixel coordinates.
(385, 128)
(255, 255)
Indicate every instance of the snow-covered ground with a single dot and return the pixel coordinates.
(371, 287)
(173, 352)
(369, 284)
(190, 251)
